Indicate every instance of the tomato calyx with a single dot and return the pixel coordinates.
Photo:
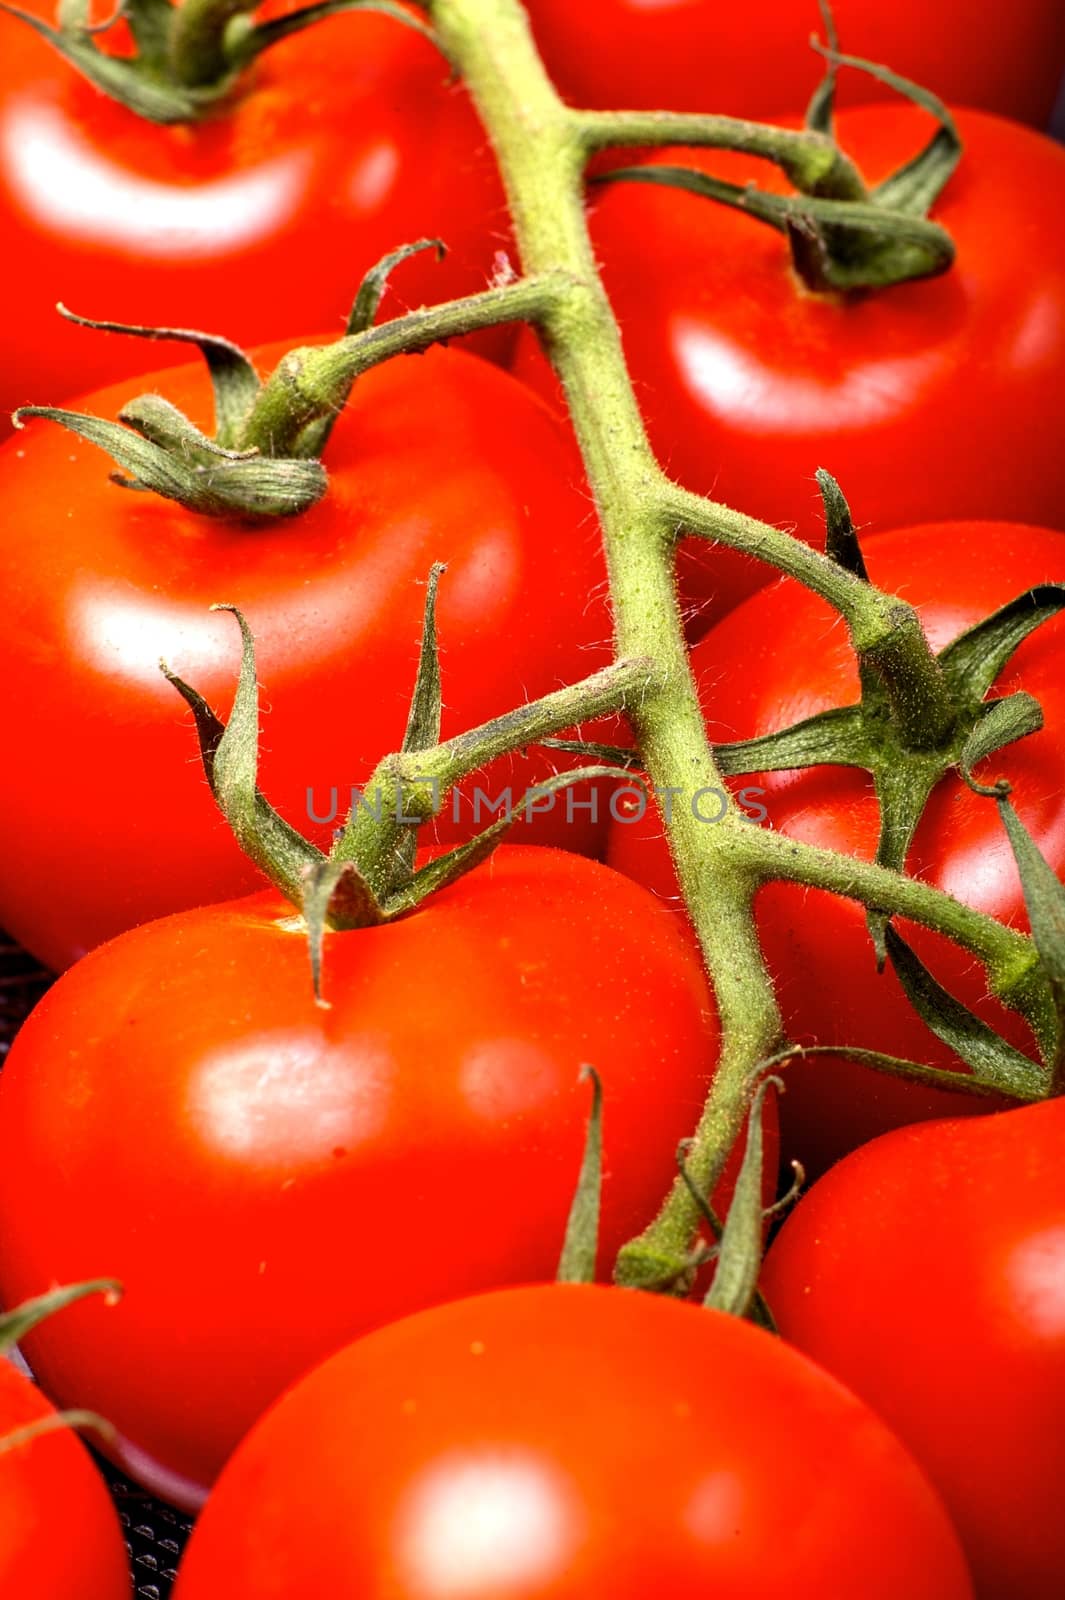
(844, 238)
(919, 716)
(262, 462)
(187, 59)
(369, 876)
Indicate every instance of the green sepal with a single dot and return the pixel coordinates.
(1044, 899)
(990, 1059)
(56, 1422)
(1003, 723)
(244, 43)
(16, 1324)
(739, 1257)
(372, 287)
(423, 719)
(335, 894)
(973, 660)
(842, 245)
(230, 756)
(832, 738)
(616, 754)
(211, 481)
(759, 1312)
(580, 1248)
(234, 381)
(841, 539)
(910, 1071)
(820, 112)
(914, 187)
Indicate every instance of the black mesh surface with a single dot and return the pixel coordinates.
(155, 1532)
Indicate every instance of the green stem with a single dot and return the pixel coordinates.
(812, 161)
(312, 383)
(416, 783)
(541, 153)
(196, 54)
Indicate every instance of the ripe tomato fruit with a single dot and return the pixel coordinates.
(698, 55)
(928, 400)
(570, 1442)
(342, 143)
(441, 459)
(927, 1272)
(268, 1179)
(59, 1534)
(784, 655)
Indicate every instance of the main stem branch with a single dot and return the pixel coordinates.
(541, 153)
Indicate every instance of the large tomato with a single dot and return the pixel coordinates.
(569, 1443)
(342, 143)
(59, 1535)
(268, 1179)
(701, 55)
(442, 459)
(929, 400)
(927, 1271)
(784, 655)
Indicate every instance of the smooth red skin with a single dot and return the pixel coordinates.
(630, 1445)
(345, 142)
(418, 1141)
(926, 1272)
(700, 55)
(783, 656)
(926, 401)
(59, 1535)
(441, 459)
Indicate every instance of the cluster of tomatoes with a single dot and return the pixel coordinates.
(268, 1179)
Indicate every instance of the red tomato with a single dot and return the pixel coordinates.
(927, 1271)
(59, 1535)
(344, 142)
(700, 55)
(784, 655)
(441, 459)
(562, 1443)
(928, 400)
(268, 1179)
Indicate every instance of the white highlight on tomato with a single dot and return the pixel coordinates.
(285, 1096)
(484, 1525)
(67, 183)
(1036, 1273)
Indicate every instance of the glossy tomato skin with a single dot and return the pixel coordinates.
(343, 142)
(59, 1534)
(926, 401)
(926, 1272)
(783, 656)
(559, 1443)
(699, 55)
(268, 1179)
(441, 459)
